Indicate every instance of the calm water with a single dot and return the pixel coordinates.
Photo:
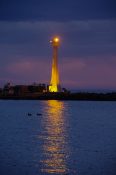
(59, 138)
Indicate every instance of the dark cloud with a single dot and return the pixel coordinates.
(56, 10)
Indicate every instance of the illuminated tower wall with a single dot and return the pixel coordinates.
(55, 83)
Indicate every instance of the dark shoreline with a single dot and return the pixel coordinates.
(63, 96)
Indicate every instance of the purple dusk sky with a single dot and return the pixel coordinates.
(87, 54)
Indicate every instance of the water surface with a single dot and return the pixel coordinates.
(57, 137)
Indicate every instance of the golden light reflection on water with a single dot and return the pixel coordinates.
(54, 146)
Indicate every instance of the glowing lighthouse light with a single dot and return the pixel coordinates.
(54, 82)
(56, 39)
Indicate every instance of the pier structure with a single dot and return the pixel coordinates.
(55, 82)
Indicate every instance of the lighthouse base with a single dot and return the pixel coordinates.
(55, 88)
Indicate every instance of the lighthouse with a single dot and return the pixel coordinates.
(55, 82)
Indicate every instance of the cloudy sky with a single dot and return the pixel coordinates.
(87, 54)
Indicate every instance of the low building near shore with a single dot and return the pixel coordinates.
(23, 89)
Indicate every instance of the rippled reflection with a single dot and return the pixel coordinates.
(54, 138)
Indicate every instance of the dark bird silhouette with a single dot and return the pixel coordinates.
(38, 114)
(29, 114)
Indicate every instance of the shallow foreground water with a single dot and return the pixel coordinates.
(57, 137)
